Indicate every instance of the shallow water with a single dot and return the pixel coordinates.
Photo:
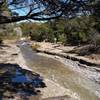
(58, 72)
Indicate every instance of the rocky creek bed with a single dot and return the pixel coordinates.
(55, 69)
(18, 81)
(64, 78)
(90, 67)
(85, 67)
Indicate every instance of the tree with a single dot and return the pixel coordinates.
(42, 9)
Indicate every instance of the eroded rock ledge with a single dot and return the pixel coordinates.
(72, 57)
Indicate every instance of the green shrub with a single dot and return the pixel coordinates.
(98, 41)
(62, 38)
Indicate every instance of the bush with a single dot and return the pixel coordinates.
(62, 39)
(35, 46)
(98, 41)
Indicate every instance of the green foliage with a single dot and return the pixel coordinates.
(78, 30)
(4, 6)
(62, 39)
(74, 31)
(7, 31)
(98, 41)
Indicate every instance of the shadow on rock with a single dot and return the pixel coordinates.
(18, 82)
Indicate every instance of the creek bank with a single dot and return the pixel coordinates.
(65, 52)
(90, 68)
(71, 57)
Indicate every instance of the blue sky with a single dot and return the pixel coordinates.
(21, 12)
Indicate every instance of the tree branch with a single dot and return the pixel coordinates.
(43, 9)
(5, 19)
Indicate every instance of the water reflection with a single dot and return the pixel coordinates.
(15, 81)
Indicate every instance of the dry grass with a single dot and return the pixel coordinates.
(35, 46)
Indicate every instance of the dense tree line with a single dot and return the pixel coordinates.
(80, 30)
(70, 21)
